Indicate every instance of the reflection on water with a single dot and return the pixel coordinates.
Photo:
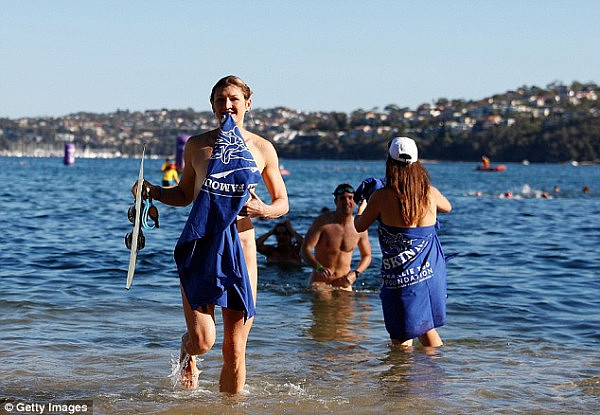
(411, 373)
(339, 315)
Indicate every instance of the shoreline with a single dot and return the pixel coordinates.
(85, 155)
(118, 155)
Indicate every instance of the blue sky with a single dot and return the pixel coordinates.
(63, 56)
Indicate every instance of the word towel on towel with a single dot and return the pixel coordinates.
(208, 253)
(413, 291)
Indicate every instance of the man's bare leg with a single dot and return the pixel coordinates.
(233, 373)
(199, 339)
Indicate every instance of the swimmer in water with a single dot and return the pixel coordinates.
(287, 249)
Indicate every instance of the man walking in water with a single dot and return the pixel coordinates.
(333, 238)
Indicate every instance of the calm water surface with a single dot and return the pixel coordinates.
(523, 307)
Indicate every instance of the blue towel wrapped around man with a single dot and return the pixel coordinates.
(208, 254)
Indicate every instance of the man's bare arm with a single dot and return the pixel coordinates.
(310, 242)
(308, 245)
(364, 247)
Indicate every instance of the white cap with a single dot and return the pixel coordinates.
(404, 149)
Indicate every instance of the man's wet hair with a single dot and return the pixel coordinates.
(343, 188)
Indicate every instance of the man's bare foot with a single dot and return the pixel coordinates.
(189, 372)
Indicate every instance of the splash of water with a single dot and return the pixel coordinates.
(177, 367)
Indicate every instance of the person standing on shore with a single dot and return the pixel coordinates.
(216, 252)
(413, 267)
(333, 238)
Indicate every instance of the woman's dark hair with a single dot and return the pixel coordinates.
(410, 183)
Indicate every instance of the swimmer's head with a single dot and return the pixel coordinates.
(344, 198)
(282, 234)
(343, 188)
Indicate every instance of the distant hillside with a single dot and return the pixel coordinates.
(557, 123)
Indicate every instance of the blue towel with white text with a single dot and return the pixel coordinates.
(413, 271)
(209, 255)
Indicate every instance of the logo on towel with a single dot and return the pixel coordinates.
(232, 168)
(404, 256)
(397, 240)
(408, 277)
(230, 145)
(405, 261)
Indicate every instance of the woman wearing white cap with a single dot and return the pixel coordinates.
(413, 268)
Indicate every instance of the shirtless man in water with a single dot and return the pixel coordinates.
(230, 95)
(333, 238)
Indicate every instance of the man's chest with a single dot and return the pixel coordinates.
(339, 238)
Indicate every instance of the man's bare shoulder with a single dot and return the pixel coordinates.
(324, 219)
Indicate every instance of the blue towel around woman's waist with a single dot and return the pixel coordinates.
(413, 271)
(410, 255)
(209, 256)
